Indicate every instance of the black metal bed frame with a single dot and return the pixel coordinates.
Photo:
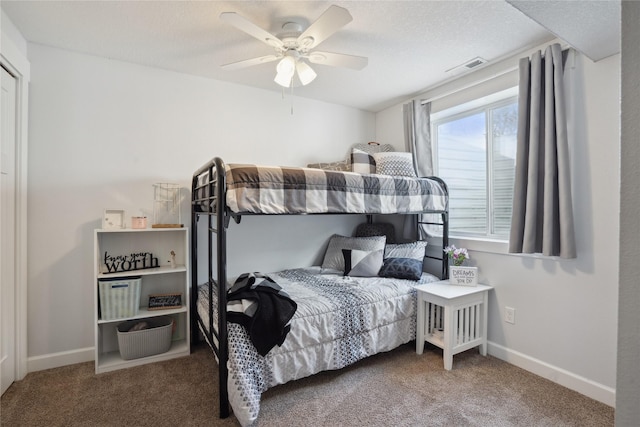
(214, 199)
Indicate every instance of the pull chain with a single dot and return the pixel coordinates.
(291, 93)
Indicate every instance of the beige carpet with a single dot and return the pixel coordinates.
(399, 388)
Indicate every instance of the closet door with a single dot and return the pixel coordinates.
(7, 231)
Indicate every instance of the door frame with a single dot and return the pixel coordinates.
(15, 62)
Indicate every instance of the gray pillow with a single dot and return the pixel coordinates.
(401, 268)
(362, 263)
(362, 162)
(377, 229)
(333, 258)
(373, 147)
(341, 166)
(413, 250)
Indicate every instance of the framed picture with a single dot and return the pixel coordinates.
(165, 301)
(113, 219)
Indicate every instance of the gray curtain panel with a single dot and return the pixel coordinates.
(542, 217)
(417, 137)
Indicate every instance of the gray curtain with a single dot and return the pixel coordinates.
(542, 217)
(417, 137)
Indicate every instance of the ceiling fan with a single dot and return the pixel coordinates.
(294, 46)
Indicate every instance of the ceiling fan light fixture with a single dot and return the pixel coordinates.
(285, 70)
(305, 73)
(294, 46)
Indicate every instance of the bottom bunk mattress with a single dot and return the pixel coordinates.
(339, 320)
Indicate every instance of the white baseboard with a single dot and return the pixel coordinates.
(589, 388)
(599, 392)
(64, 358)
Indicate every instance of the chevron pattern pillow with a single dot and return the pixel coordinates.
(362, 263)
(395, 164)
(401, 268)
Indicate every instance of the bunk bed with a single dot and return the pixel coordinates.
(221, 193)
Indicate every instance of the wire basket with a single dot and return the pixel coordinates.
(166, 205)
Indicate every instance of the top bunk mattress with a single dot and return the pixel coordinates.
(257, 189)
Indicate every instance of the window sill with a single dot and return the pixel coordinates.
(492, 246)
(481, 245)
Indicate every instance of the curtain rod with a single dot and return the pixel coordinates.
(470, 85)
(479, 82)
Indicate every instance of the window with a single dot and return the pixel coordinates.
(475, 146)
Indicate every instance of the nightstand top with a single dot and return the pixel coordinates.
(444, 290)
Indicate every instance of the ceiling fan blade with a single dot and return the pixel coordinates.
(338, 60)
(249, 62)
(329, 22)
(243, 24)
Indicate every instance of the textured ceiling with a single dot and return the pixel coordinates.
(411, 45)
(591, 27)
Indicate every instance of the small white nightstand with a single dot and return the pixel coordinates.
(452, 317)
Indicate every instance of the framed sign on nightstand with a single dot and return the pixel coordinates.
(113, 219)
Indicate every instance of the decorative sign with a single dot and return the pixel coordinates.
(113, 219)
(465, 276)
(135, 261)
(165, 301)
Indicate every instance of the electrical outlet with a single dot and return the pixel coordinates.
(510, 315)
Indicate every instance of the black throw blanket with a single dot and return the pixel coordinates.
(256, 302)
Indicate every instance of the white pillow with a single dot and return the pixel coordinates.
(414, 250)
(394, 163)
(362, 263)
(333, 257)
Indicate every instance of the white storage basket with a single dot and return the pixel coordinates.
(155, 339)
(119, 298)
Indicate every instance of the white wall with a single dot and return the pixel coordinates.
(12, 34)
(102, 132)
(566, 310)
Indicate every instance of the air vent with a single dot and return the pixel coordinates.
(473, 63)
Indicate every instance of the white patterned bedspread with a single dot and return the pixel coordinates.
(339, 321)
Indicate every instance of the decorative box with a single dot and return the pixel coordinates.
(138, 222)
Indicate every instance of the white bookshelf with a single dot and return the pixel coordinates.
(163, 279)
